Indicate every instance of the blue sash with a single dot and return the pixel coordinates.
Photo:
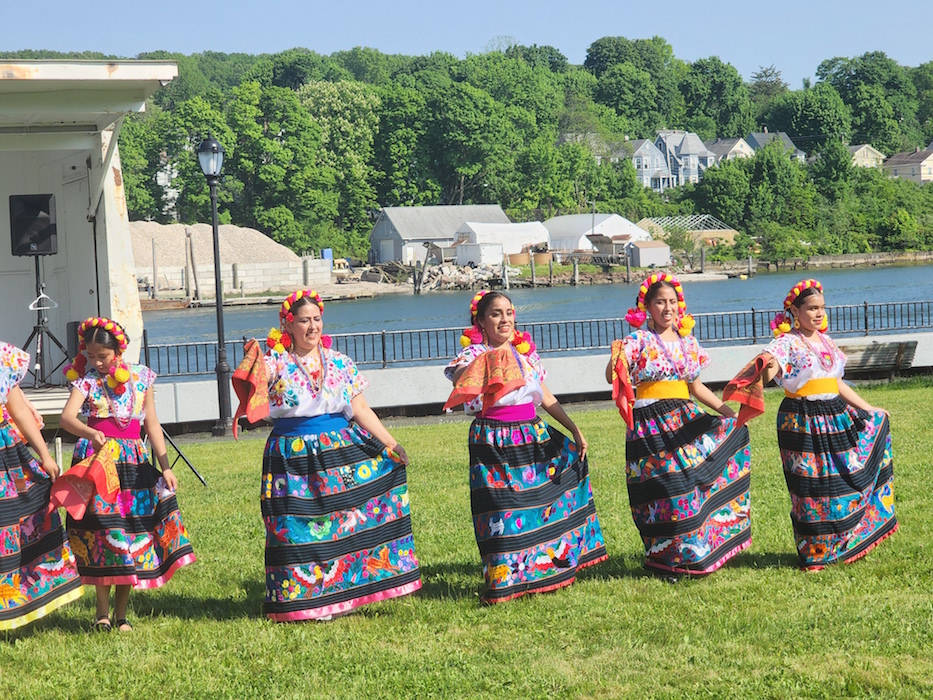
(304, 425)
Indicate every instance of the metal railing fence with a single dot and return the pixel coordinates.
(385, 348)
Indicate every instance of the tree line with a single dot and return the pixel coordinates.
(316, 144)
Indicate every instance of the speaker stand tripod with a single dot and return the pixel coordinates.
(40, 305)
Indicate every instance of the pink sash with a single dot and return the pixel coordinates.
(511, 414)
(114, 431)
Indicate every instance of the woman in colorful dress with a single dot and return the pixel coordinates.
(37, 569)
(138, 541)
(533, 512)
(835, 447)
(334, 485)
(687, 471)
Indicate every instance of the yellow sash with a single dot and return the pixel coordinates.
(828, 385)
(662, 390)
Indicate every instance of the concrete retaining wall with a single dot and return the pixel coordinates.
(580, 375)
(253, 277)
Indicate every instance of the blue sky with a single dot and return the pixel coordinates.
(794, 35)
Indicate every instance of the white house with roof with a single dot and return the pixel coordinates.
(59, 125)
(571, 232)
(514, 238)
(729, 149)
(404, 233)
(866, 156)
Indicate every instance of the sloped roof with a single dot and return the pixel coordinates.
(722, 147)
(576, 225)
(760, 139)
(504, 230)
(908, 158)
(650, 244)
(692, 144)
(440, 222)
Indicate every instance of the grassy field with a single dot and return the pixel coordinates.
(758, 628)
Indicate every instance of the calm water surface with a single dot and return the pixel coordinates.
(450, 309)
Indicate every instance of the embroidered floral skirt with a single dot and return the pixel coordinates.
(338, 527)
(840, 473)
(533, 512)
(140, 540)
(688, 479)
(37, 569)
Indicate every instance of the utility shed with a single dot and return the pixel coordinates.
(514, 238)
(650, 254)
(59, 123)
(406, 233)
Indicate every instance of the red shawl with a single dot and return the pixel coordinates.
(748, 389)
(622, 392)
(74, 489)
(493, 374)
(251, 386)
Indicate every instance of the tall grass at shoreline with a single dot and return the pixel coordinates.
(757, 628)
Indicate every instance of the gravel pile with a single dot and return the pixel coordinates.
(237, 245)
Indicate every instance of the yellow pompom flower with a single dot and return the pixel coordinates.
(464, 341)
(71, 375)
(122, 375)
(112, 383)
(523, 347)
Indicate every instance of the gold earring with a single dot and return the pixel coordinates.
(796, 322)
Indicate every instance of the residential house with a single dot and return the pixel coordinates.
(729, 149)
(916, 166)
(651, 168)
(864, 156)
(701, 227)
(650, 254)
(406, 233)
(685, 155)
(572, 232)
(760, 139)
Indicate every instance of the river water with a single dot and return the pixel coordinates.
(450, 309)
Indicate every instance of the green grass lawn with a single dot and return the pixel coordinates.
(757, 628)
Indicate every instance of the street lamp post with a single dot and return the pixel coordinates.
(211, 158)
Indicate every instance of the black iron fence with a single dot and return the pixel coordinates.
(438, 344)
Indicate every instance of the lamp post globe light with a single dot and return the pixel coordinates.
(211, 159)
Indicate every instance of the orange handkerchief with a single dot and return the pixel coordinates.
(622, 391)
(96, 474)
(748, 389)
(251, 386)
(492, 375)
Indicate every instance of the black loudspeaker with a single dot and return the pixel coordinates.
(32, 224)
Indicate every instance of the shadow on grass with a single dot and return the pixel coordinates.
(617, 566)
(451, 581)
(187, 607)
(766, 560)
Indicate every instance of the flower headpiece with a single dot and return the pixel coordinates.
(474, 335)
(279, 339)
(119, 373)
(638, 315)
(783, 320)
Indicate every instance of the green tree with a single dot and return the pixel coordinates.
(287, 193)
(811, 117)
(632, 94)
(724, 192)
(767, 86)
(347, 114)
(832, 171)
(715, 90)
